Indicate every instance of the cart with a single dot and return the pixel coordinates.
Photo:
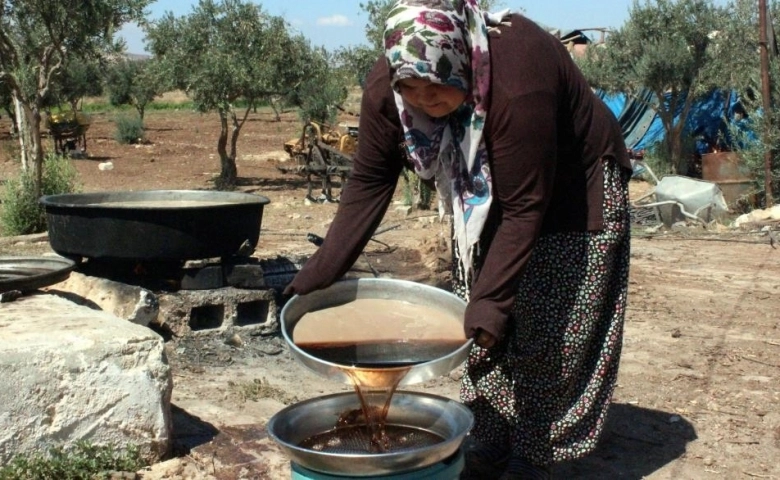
(69, 131)
(322, 154)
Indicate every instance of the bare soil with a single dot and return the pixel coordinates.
(698, 394)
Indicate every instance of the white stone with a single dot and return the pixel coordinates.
(759, 216)
(135, 304)
(71, 373)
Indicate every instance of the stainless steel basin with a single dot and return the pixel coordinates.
(444, 417)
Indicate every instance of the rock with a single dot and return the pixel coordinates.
(80, 374)
(234, 340)
(135, 304)
(758, 216)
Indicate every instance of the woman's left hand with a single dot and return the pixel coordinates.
(484, 339)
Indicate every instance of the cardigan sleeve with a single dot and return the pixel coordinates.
(523, 145)
(368, 191)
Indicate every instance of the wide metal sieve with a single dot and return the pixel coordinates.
(421, 416)
(361, 440)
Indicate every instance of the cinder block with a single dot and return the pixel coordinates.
(213, 311)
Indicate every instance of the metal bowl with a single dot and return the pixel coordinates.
(447, 418)
(374, 288)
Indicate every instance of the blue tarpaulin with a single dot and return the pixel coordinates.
(642, 127)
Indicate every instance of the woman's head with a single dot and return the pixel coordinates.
(427, 46)
(437, 51)
(434, 99)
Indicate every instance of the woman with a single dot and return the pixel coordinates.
(534, 170)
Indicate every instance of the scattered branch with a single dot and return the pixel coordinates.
(759, 362)
(756, 475)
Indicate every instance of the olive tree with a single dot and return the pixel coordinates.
(78, 79)
(320, 93)
(740, 71)
(306, 77)
(36, 40)
(667, 47)
(228, 56)
(135, 83)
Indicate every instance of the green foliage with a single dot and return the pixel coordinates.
(134, 83)
(227, 50)
(106, 107)
(129, 129)
(318, 95)
(80, 78)
(753, 154)
(415, 192)
(358, 60)
(740, 70)
(667, 47)
(83, 461)
(22, 214)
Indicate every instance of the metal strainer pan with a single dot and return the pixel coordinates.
(441, 416)
(436, 364)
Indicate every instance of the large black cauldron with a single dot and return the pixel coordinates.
(154, 224)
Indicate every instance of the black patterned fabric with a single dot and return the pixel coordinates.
(543, 391)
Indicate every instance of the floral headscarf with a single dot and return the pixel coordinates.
(446, 42)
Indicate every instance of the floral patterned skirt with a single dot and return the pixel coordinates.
(543, 391)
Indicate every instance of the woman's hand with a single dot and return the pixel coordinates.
(484, 339)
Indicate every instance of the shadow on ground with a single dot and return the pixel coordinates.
(636, 442)
(189, 432)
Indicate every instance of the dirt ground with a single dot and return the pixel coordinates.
(698, 394)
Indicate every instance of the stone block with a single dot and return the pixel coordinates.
(135, 304)
(71, 373)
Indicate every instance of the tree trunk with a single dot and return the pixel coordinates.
(675, 149)
(228, 172)
(36, 150)
(24, 133)
(141, 109)
(30, 141)
(277, 115)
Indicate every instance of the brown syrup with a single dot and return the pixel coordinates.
(375, 369)
(381, 355)
(376, 352)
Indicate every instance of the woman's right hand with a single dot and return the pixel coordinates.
(484, 339)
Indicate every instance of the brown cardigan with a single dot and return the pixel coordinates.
(546, 133)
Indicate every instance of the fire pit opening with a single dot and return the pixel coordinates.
(251, 313)
(206, 317)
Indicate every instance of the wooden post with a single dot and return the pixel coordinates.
(766, 93)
